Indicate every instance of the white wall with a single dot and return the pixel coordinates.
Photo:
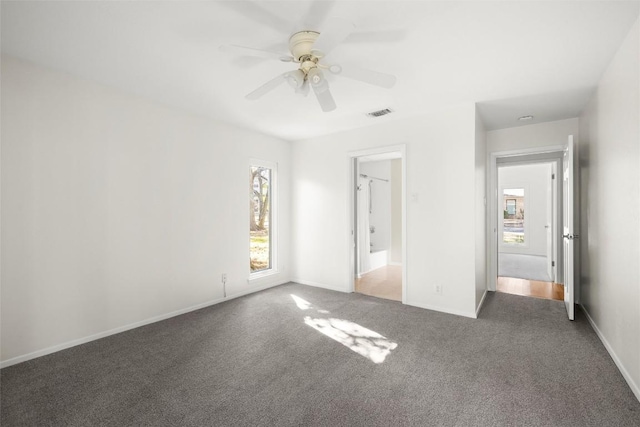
(534, 179)
(440, 154)
(395, 256)
(380, 216)
(610, 222)
(116, 210)
(480, 210)
(532, 136)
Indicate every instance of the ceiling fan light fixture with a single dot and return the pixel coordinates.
(317, 80)
(295, 79)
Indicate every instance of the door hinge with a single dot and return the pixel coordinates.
(553, 263)
(553, 176)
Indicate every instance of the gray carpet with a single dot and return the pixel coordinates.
(529, 267)
(254, 361)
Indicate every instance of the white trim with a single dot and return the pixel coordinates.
(351, 155)
(484, 296)
(634, 387)
(377, 150)
(99, 335)
(321, 285)
(262, 275)
(492, 197)
(533, 150)
(440, 309)
(397, 264)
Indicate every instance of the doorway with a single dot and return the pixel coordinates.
(528, 218)
(377, 206)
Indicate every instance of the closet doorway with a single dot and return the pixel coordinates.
(378, 219)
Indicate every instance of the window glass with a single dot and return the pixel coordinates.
(260, 187)
(513, 231)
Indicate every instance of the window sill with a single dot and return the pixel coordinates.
(257, 277)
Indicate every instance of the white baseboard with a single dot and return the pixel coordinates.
(399, 264)
(84, 340)
(471, 314)
(320, 285)
(484, 295)
(634, 387)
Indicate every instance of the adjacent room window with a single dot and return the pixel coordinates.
(513, 216)
(261, 216)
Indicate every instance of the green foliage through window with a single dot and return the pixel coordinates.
(260, 218)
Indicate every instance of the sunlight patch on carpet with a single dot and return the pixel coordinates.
(359, 339)
(363, 341)
(301, 303)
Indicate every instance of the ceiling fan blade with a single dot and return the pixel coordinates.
(332, 35)
(364, 75)
(316, 14)
(267, 87)
(326, 101)
(320, 87)
(258, 53)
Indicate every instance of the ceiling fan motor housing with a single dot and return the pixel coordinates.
(301, 43)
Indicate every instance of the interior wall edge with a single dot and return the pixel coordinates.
(470, 314)
(481, 303)
(320, 285)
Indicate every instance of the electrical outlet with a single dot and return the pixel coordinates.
(224, 278)
(438, 289)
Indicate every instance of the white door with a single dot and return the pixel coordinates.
(568, 235)
(549, 223)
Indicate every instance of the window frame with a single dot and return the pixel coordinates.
(273, 220)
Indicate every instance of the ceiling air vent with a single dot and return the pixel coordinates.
(380, 113)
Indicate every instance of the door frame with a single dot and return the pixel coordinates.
(352, 235)
(523, 156)
(552, 213)
(569, 226)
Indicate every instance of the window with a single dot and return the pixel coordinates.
(261, 217)
(513, 216)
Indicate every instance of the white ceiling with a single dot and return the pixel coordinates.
(514, 58)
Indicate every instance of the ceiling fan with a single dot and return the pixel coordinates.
(309, 49)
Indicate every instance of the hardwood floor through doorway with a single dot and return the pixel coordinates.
(384, 282)
(531, 288)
